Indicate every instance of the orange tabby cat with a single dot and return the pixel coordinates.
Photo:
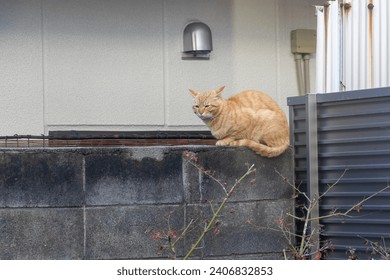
(250, 118)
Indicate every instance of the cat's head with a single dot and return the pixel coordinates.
(207, 104)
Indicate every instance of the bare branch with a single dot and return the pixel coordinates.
(367, 198)
(330, 187)
(306, 238)
(210, 224)
(296, 188)
(208, 173)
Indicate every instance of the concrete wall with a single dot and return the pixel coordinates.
(116, 65)
(97, 203)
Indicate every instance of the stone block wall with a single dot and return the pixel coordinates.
(106, 203)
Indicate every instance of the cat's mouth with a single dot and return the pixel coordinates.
(205, 117)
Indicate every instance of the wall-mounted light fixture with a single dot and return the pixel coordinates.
(197, 41)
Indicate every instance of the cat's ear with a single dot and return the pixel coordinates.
(193, 92)
(218, 91)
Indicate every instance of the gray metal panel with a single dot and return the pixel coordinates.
(312, 167)
(353, 135)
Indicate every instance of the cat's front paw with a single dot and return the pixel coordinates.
(222, 143)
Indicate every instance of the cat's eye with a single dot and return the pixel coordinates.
(206, 106)
(196, 106)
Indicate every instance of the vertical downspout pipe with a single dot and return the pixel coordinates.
(298, 63)
(320, 55)
(370, 7)
(306, 71)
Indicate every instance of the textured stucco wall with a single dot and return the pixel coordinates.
(21, 86)
(100, 203)
(116, 65)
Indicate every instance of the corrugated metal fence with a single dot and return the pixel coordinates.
(344, 139)
(353, 42)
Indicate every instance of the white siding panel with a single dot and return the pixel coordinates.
(363, 46)
(21, 97)
(381, 37)
(104, 62)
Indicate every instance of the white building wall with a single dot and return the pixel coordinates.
(103, 62)
(21, 87)
(116, 65)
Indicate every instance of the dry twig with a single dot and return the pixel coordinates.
(303, 251)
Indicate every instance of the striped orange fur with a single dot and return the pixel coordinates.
(250, 118)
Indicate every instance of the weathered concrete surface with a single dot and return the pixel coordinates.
(40, 179)
(123, 179)
(41, 233)
(106, 203)
(119, 232)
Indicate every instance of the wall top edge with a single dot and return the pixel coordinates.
(342, 96)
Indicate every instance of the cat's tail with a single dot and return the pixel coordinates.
(261, 149)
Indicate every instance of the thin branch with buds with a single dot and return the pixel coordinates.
(303, 251)
(379, 248)
(172, 238)
(210, 224)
